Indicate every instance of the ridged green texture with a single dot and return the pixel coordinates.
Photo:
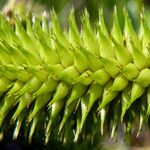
(65, 84)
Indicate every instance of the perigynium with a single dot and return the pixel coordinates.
(58, 79)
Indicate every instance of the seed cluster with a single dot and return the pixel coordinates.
(66, 83)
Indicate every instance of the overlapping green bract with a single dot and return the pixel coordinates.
(68, 82)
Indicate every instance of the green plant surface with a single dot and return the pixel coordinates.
(73, 85)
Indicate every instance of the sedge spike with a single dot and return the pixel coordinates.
(69, 84)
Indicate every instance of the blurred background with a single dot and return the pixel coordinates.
(62, 7)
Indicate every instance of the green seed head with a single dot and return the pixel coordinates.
(67, 84)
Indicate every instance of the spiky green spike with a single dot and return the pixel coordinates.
(48, 86)
(67, 112)
(89, 39)
(57, 31)
(111, 66)
(88, 101)
(139, 59)
(68, 84)
(102, 23)
(40, 102)
(79, 60)
(77, 91)
(36, 121)
(30, 87)
(116, 31)
(116, 115)
(19, 122)
(100, 76)
(65, 54)
(16, 87)
(7, 104)
(106, 46)
(117, 86)
(130, 71)
(142, 116)
(144, 36)
(60, 93)
(121, 53)
(143, 78)
(74, 35)
(129, 32)
(21, 33)
(136, 92)
(108, 95)
(39, 30)
(103, 112)
(126, 95)
(55, 109)
(93, 62)
(24, 101)
(69, 74)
